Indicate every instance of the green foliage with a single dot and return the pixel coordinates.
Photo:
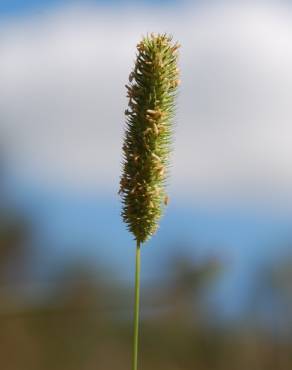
(151, 92)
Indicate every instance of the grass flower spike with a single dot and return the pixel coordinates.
(151, 91)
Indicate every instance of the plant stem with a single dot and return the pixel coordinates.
(136, 307)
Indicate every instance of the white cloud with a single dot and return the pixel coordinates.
(62, 96)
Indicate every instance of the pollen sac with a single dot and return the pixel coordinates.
(151, 90)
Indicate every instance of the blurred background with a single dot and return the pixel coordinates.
(216, 279)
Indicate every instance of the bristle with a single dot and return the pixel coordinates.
(152, 91)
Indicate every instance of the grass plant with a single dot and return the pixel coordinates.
(152, 91)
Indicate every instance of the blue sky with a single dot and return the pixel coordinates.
(22, 6)
(72, 227)
(18, 7)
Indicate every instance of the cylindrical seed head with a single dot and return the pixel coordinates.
(151, 91)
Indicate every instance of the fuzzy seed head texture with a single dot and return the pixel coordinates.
(152, 93)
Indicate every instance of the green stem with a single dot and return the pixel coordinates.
(136, 308)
